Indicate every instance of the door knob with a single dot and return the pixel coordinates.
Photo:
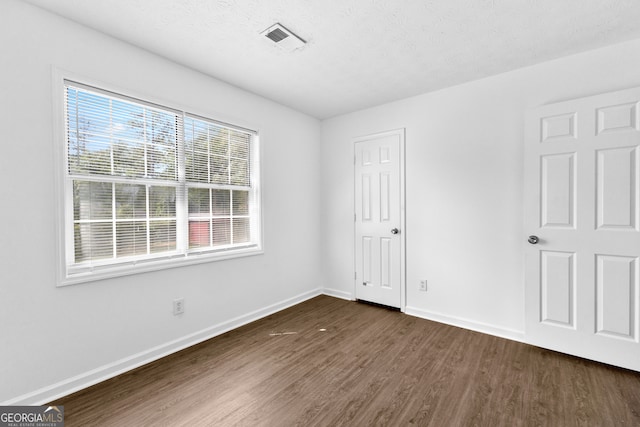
(533, 240)
(394, 231)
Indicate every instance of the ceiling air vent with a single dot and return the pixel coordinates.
(283, 37)
(277, 35)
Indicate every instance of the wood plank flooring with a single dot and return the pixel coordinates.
(329, 362)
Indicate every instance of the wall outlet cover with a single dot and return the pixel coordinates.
(178, 306)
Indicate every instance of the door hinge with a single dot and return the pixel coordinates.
(355, 275)
(354, 218)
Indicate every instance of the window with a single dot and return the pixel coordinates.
(146, 186)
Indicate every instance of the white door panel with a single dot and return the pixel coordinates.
(378, 212)
(616, 193)
(582, 293)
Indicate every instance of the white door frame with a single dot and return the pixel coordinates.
(403, 229)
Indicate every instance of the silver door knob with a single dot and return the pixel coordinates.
(533, 240)
(394, 231)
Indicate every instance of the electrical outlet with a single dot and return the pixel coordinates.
(178, 306)
(423, 286)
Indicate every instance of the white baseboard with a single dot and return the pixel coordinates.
(338, 294)
(472, 325)
(102, 373)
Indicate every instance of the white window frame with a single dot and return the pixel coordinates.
(67, 272)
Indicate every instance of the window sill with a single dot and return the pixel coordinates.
(103, 272)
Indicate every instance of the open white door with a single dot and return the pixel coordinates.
(379, 233)
(581, 209)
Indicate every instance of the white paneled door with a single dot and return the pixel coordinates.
(379, 234)
(582, 210)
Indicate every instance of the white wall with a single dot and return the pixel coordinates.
(464, 185)
(50, 335)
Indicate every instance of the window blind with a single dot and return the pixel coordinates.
(147, 181)
(217, 161)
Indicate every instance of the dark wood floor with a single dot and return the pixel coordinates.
(329, 362)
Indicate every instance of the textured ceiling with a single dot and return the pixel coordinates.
(360, 53)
